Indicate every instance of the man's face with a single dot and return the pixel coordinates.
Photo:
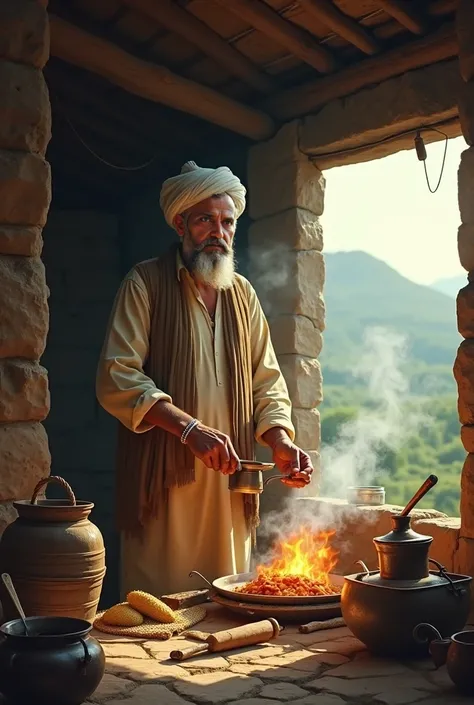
(207, 231)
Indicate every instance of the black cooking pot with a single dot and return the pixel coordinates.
(60, 664)
(383, 613)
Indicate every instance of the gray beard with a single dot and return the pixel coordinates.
(214, 269)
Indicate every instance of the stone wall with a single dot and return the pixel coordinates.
(25, 191)
(82, 259)
(286, 267)
(464, 364)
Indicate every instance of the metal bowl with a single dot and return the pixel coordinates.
(371, 495)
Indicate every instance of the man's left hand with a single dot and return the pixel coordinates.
(292, 462)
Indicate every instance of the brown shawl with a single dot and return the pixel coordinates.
(148, 464)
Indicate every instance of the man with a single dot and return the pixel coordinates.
(189, 370)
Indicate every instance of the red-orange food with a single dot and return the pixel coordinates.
(287, 586)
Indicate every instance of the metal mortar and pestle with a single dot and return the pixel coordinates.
(249, 478)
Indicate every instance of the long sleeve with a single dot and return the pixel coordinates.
(122, 387)
(272, 405)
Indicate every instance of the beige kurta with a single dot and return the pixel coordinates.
(203, 527)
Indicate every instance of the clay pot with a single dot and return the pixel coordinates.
(62, 665)
(55, 557)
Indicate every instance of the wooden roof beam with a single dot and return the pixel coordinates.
(153, 82)
(295, 39)
(342, 25)
(404, 13)
(177, 19)
(309, 97)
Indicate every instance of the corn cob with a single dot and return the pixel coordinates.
(122, 615)
(150, 606)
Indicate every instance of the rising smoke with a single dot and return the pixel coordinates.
(355, 458)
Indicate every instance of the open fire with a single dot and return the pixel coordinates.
(302, 565)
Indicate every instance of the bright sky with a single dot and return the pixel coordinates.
(385, 208)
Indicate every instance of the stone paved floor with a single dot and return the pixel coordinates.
(324, 668)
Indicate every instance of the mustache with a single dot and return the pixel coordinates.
(214, 242)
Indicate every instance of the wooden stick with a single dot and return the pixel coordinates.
(403, 12)
(153, 82)
(297, 40)
(312, 96)
(341, 24)
(319, 626)
(186, 25)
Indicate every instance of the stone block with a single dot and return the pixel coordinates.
(466, 186)
(465, 35)
(280, 149)
(293, 289)
(295, 335)
(8, 514)
(467, 438)
(463, 370)
(274, 189)
(467, 497)
(420, 97)
(24, 307)
(24, 394)
(24, 32)
(294, 229)
(466, 110)
(465, 311)
(304, 380)
(24, 459)
(445, 534)
(25, 188)
(466, 246)
(307, 425)
(25, 113)
(20, 240)
(464, 558)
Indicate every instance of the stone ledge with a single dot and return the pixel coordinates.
(356, 528)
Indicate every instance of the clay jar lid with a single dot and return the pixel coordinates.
(402, 533)
(53, 510)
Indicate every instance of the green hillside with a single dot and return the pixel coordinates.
(357, 418)
(362, 292)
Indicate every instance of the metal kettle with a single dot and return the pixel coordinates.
(249, 478)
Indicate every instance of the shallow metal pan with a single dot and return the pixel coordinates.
(227, 585)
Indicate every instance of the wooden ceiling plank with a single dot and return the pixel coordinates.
(266, 20)
(309, 97)
(343, 25)
(404, 13)
(153, 82)
(178, 20)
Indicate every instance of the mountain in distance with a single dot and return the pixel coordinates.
(361, 292)
(450, 285)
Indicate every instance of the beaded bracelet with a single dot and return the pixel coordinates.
(192, 424)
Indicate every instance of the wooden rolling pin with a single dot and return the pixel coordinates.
(247, 635)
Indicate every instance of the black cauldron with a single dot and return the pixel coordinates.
(383, 614)
(60, 664)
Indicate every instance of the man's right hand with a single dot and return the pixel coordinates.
(214, 448)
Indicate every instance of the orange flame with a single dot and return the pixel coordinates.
(304, 554)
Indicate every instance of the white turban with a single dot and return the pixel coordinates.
(195, 184)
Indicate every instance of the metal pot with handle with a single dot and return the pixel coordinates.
(249, 478)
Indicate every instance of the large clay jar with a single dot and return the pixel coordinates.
(55, 557)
